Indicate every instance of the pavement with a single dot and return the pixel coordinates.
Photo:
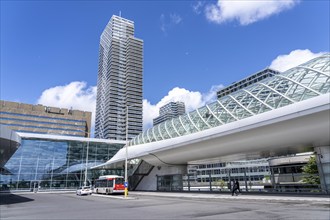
(162, 205)
(298, 198)
(324, 199)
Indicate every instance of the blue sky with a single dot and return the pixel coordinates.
(49, 49)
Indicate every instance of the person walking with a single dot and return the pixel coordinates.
(236, 188)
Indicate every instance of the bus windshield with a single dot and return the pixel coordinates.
(119, 180)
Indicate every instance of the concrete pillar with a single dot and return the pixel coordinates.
(273, 178)
(210, 181)
(245, 180)
(188, 182)
(323, 165)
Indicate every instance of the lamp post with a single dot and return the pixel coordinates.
(85, 181)
(126, 153)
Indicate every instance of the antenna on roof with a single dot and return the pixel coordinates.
(119, 13)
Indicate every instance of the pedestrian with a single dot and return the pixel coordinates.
(236, 188)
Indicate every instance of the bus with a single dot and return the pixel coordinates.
(109, 184)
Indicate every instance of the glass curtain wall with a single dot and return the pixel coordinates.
(54, 165)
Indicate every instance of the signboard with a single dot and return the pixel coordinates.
(126, 184)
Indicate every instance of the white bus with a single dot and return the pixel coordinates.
(109, 184)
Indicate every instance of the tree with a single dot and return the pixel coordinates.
(311, 172)
(221, 184)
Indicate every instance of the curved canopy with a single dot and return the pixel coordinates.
(305, 81)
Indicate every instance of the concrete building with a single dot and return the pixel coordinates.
(42, 119)
(119, 85)
(213, 170)
(254, 78)
(287, 172)
(169, 111)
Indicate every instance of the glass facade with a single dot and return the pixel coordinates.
(119, 82)
(303, 82)
(48, 164)
(169, 183)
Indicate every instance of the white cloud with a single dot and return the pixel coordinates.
(246, 11)
(211, 95)
(197, 7)
(162, 23)
(294, 58)
(167, 23)
(75, 94)
(80, 97)
(149, 112)
(192, 100)
(175, 18)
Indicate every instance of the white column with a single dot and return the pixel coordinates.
(323, 165)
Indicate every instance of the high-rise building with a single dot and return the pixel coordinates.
(42, 119)
(168, 111)
(119, 86)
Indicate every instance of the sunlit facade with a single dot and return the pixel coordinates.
(40, 119)
(119, 83)
(50, 162)
(263, 74)
(305, 81)
(169, 111)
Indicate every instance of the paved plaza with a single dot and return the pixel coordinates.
(154, 205)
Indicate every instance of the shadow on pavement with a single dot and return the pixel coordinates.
(8, 199)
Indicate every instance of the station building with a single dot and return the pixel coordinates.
(286, 114)
(53, 162)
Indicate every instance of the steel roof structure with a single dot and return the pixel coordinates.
(288, 110)
(303, 82)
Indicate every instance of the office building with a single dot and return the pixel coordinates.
(254, 78)
(287, 172)
(119, 86)
(252, 170)
(169, 111)
(42, 119)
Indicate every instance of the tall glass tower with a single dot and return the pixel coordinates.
(119, 86)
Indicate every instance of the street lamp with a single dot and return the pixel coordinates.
(126, 148)
(85, 182)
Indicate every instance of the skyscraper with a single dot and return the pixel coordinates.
(119, 86)
(168, 111)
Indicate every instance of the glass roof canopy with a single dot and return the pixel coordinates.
(305, 81)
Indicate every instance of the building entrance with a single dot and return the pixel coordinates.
(170, 183)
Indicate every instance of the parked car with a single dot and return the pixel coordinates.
(84, 190)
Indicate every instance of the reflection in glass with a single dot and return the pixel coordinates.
(55, 164)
